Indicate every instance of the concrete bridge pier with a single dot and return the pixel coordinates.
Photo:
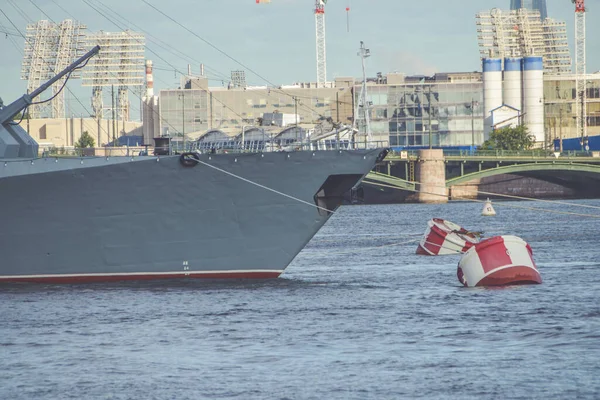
(430, 175)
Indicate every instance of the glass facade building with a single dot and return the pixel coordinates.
(539, 5)
(447, 110)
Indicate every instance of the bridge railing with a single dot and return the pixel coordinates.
(535, 153)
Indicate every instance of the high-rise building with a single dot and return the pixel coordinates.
(539, 5)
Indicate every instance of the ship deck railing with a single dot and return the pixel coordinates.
(215, 148)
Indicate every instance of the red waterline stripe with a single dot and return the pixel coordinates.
(141, 277)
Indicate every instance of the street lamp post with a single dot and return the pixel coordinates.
(430, 144)
(243, 136)
(472, 124)
(182, 98)
(472, 107)
(560, 142)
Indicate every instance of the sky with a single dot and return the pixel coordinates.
(277, 40)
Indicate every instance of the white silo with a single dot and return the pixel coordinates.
(492, 91)
(513, 67)
(533, 96)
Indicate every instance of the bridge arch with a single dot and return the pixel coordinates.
(543, 170)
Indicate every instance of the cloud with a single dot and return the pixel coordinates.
(407, 62)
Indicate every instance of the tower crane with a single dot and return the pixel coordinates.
(320, 36)
(580, 70)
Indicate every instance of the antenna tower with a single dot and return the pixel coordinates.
(320, 35)
(580, 70)
(362, 106)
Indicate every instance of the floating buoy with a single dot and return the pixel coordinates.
(445, 238)
(488, 210)
(498, 261)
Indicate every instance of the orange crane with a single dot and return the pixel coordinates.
(320, 39)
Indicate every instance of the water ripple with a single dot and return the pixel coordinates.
(376, 322)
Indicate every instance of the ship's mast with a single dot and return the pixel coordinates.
(362, 106)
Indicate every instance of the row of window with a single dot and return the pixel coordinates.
(437, 139)
(564, 89)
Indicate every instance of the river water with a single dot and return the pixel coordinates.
(357, 315)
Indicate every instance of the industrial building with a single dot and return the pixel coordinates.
(560, 106)
(196, 108)
(403, 110)
(399, 107)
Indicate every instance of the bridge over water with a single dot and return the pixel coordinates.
(577, 171)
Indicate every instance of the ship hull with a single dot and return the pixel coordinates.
(224, 216)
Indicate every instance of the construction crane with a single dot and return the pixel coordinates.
(580, 70)
(320, 36)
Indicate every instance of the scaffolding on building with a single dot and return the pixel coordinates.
(521, 33)
(121, 64)
(50, 48)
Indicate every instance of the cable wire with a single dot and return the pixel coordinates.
(223, 52)
(483, 201)
(261, 186)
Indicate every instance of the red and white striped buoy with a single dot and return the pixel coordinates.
(497, 261)
(445, 238)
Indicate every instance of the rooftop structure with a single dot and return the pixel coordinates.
(522, 33)
(238, 79)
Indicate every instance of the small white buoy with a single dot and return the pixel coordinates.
(488, 210)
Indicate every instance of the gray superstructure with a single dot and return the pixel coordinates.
(148, 217)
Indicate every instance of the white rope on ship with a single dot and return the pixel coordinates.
(373, 247)
(363, 237)
(261, 186)
(420, 191)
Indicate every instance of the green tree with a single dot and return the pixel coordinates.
(509, 138)
(20, 116)
(85, 140)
